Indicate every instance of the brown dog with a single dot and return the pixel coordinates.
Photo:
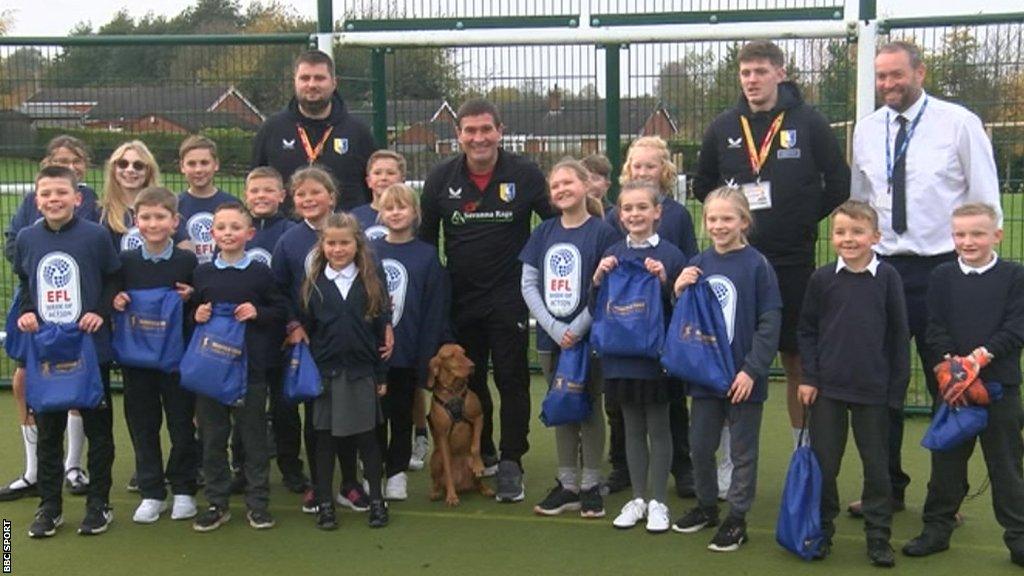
(456, 422)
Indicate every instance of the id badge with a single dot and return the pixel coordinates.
(759, 194)
(883, 199)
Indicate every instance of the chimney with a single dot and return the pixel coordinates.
(554, 100)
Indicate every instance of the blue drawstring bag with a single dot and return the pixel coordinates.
(215, 363)
(61, 370)
(798, 528)
(301, 377)
(951, 427)
(148, 333)
(15, 342)
(567, 400)
(628, 315)
(697, 343)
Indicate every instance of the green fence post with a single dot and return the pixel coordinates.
(378, 72)
(324, 26)
(613, 127)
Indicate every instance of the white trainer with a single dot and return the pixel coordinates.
(657, 517)
(397, 487)
(184, 507)
(149, 511)
(633, 512)
(420, 448)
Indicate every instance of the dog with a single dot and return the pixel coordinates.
(456, 423)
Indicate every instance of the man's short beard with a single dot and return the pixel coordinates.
(314, 106)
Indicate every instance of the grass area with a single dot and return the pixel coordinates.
(484, 537)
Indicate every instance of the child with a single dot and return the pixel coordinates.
(749, 294)
(315, 196)
(383, 169)
(849, 304)
(264, 193)
(600, 179)
(648, 159)
(70, 152)
(344, 310)
(558, 300)
(234, 277)
(637, 385)
(129, 169)
(156, 264)
(198, 161)
(418, 287)
(975, 311)
(81, 254)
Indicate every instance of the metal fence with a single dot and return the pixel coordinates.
(563, 98)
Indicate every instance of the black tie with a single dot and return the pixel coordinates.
(899, 180)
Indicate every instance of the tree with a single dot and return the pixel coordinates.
(682, 87)
(836, 89)
(956, 73)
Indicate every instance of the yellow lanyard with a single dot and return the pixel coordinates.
(757, 159)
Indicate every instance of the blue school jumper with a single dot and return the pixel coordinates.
(367, 218)
(197, 221)
(675, 225)
(420, 298)
(66, 273)
(292, 257)
(745, 285)
(268, 231)
(28, 214)
(566, 260)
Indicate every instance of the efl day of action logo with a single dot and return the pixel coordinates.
(132, 239)
(259, 255)
(58, 288)
(562, 279)
(398, 282)
(200, 231)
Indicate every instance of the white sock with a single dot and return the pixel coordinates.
(30, 436)
(76, 439)
(796, 438)
(724, 464)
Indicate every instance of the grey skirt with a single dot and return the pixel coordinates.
(347, 406)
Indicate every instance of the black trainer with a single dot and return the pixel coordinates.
(731, 535)
(925, 544)
(326, 519)
(24, 488)
(618, 480)
(97, 520)
(881, 553)
(695, 520)
(591, 503)
(260, 519)
(45, 525)
(378, 514)
(211, 519)
(823, 551)
(558, 500)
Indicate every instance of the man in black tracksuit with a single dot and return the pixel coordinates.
(484, 199)
(316, 128)
(785, 157)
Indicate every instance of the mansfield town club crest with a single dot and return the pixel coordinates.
(787, 138)
(507, 191)
(340, 145)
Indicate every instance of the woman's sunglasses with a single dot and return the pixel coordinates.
(123, 164)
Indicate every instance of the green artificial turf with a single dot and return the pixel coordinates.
(484, 537)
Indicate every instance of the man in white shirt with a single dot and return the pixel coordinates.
(915, 160)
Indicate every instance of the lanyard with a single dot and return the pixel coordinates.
(890, 162)
(757, 159)
(313, 153)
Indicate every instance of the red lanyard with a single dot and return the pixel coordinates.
(313, 153)
(757, 159)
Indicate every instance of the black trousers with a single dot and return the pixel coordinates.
(215, 425)
(286, 426)
(1004, 451)
(502, 337)
(679, 423)
(149, 395)
(397, 408)
(829, 427)
(99, 430)
(914, 272)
